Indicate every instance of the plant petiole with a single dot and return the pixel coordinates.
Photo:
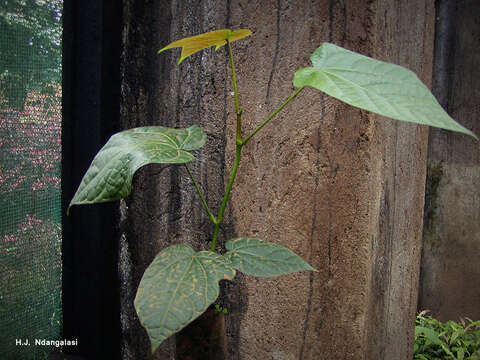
(213, 219)
(272, 115)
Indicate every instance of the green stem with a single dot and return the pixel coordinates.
(272, 115)
(236, 162)
(238, 152)
(239, 145)
(202, 198)
(238, 111)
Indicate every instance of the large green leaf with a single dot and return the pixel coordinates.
(109, 176)
(386, 89)
(262, 258)
(177, 287)
(216, 38)
(429, 334)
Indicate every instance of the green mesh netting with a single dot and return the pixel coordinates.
(30, 118)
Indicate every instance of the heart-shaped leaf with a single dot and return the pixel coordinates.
(109, 176)
(216, 38)
(262, 258)
(386, 89)
(177, 287)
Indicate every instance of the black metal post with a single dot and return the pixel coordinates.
(91, 93)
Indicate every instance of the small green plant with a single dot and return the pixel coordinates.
(450, 340)
(182, 283)
(220, 309)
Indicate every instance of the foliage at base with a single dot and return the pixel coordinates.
(450, 340)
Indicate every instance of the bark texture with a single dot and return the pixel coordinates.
(450, 266)
(164, 208)
(341, 187)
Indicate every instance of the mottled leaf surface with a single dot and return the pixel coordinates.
(386, 89)
(177, 287)
(110, 174)
(262, 258)
(216, 38)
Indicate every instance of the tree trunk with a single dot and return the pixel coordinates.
(340, 186)
(450, 266)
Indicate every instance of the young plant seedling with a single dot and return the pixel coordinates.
(181, 283)
(221, 310)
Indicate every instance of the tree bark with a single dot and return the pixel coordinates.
(450, 266)
(339, 186)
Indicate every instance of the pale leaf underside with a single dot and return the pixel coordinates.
(262, 258)
(383, 88)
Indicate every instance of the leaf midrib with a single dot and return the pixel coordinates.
(367, 92)
(332, 74)
(261, 257)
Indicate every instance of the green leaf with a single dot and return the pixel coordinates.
(455, 335)
(176, 288)
(263, 259)
(216, 38)
(383, 88)
(110, 174)
(428, 333)
(420, 357)
(446, 349)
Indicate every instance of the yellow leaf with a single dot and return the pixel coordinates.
(196, 43)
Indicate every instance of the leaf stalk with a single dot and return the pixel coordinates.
(272, 115)
(202, 198)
